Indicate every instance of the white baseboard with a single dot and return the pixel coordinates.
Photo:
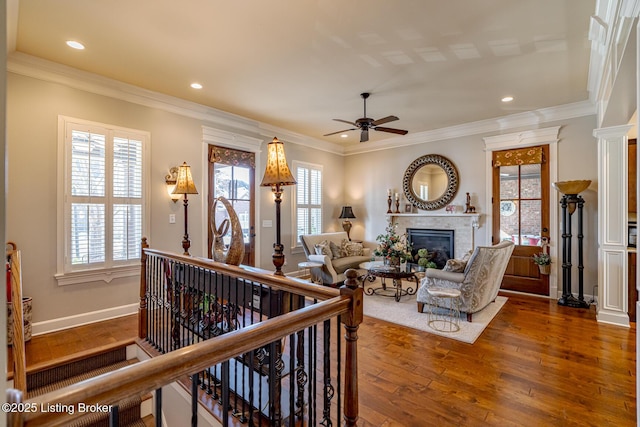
(61, 323)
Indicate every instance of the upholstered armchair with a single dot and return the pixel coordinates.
(479, 283)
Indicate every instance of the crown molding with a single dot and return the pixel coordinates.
(499, 124)
(41, 69)
(270, 131)
(30, 66)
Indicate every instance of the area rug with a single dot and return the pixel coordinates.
(405, 313)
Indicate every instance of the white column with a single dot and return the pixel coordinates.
(612, 224)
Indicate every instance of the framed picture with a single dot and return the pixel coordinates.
(408, 208)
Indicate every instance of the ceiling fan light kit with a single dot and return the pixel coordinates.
(365, 123)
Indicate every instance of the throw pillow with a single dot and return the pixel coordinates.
(352, 248)
(455, 265)
(336, 251)
(323, 248)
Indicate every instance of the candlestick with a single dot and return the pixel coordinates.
(389, 203)
(397, 205)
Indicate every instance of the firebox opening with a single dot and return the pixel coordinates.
(439, 243)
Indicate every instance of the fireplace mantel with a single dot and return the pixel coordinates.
(474, 218)
(463, 224)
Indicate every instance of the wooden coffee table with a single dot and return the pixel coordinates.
(397, 275)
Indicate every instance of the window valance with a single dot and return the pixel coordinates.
(229, 156)
(521, 156)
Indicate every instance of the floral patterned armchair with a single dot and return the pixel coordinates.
(479, 283)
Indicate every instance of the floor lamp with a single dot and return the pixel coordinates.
(185, 185)
(277, 175)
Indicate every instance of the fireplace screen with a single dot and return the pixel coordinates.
(439, 244)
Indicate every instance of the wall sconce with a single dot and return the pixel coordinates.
(277, 175)
(171, 179)
(347, 214)
(185, 185)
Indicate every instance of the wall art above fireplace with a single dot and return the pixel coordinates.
(430, 182)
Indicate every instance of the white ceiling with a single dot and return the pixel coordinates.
(298, 64)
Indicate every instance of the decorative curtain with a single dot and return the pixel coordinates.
(521, 156)
(229, 156)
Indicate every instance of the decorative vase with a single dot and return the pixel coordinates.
(234, 253)
(545, 269)
(393, 261)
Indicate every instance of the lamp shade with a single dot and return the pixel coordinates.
(277, 172)
(184, 184)
(347, 212)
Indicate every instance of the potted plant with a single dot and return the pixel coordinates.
(543, 260)
(424, 260)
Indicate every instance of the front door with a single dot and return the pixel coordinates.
(231, 175)
(521, 214)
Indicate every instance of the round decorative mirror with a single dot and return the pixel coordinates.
(430, 182)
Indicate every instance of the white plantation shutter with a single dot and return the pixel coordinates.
(127, 196)
(104, 206)
(88, 201)
(308, 209)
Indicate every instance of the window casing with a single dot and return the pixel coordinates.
(307, 206)
(103, 204)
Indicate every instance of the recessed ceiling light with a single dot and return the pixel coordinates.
(196, 85)
(507, 99)
(344, 135)
(74, 44)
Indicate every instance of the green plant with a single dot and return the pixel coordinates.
(542, 258)
(424, 259)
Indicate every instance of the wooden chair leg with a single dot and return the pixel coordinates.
(420, 307)
(469, 315)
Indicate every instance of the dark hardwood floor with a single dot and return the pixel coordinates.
(536, 364)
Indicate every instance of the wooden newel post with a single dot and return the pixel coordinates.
(351, 323)
(142, 309)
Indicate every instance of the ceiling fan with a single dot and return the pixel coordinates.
(365, 123)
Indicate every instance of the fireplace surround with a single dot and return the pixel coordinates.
(463, 225)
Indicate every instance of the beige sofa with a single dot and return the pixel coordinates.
(332, 271)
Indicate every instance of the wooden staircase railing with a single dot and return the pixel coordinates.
(19, 357)
(152, 374)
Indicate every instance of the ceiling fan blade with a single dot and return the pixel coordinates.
(340, 131)
(364, 135)
(392, 130)
(384, 120)
(346, 121)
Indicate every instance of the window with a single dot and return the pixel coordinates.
(308, 203)
(103, 205)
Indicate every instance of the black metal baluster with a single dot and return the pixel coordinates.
(292, 376)
(339, 367)
(194, 400)
(252, 374)
(328, 389)
(273, 392)
(225, 393)
(158, 409)
(313, 390)
(114, 416)
(301, 376)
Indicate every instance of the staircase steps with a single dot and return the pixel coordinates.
(54, 375)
